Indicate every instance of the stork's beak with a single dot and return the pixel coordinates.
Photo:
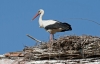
(35, 16)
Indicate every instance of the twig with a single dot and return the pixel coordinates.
(34, 38)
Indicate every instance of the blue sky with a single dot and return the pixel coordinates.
(16, 15)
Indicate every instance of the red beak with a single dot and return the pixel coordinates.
(35, 16)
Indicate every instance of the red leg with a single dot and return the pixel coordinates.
(51, 40)
(51, 37)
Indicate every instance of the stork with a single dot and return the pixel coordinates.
(52, 26)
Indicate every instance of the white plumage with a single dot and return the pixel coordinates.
(51, 26)
(48, 22)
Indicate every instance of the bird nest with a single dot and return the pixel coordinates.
(68, 47)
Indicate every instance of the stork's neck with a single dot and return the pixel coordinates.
(40, 19)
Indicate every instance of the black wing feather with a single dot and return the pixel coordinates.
(64, 26)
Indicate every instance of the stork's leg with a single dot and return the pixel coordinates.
(51, 37)
(51, 40)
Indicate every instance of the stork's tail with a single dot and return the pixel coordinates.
(68, 26)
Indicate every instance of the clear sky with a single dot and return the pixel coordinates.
(16, 15)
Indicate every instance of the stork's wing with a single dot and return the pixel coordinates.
(57, 25)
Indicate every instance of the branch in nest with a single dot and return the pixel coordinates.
(34, 38)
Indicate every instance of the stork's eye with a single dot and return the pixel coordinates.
(39, 12)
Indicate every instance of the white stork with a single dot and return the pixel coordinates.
(52, 26)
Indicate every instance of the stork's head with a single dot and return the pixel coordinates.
(41, 11)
